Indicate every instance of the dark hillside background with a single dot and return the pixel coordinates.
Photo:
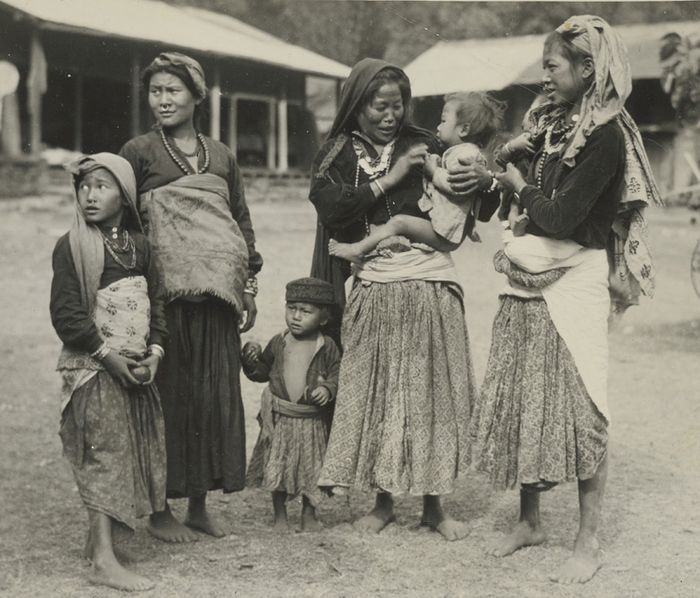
(400, 31)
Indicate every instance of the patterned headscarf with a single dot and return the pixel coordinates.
(85, 239)
(632, 269)
(612, 83)
(194, 69)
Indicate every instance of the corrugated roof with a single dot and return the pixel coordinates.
(190, 29)
(495, 63)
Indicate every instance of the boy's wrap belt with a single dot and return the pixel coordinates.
(270, 403)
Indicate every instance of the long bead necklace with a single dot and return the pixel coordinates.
(550, 148)
(179, 162)
(375, 168)
(113, 248)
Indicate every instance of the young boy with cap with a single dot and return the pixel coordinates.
(301, 365)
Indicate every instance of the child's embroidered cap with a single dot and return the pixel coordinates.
(310, 290)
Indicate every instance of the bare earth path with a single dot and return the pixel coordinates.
(651, 523)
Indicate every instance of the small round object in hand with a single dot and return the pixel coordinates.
(141, 372)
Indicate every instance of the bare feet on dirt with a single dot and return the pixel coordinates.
(165, 527)
(583, 563)
(449, 528)
(309, 521)
(522, 534)
(379, 517)
(108, 572)
(346, 251)
(202, 521)
(123, 554)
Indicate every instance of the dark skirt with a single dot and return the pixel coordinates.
(534, 423)
(113, 438)
(405, 391)
(200, 389)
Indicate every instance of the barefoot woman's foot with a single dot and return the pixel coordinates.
(379, 517)
(108, 572)
(521, 535)
(281, 525)
(434, 517)
(345, 251)
(583, 563)
(205, 523)
(165, 527)
(449, 528)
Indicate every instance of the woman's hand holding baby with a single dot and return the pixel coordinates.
(511, 179)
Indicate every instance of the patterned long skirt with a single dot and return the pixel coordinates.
(533, 423)
(292, 459)
(114, 440)
(200, 389)
(405, 391)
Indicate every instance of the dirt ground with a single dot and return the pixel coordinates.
(651, 523)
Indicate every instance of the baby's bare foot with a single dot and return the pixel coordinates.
(165, 527)
(520, 224)
(346, 251)
(583, 563)
(521, 535)
(205, 523)
(110, 573)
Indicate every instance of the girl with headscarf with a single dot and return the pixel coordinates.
(406, 380)
(107, 308)
(194, 210)
(542, 416)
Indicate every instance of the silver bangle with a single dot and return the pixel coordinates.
(101, 352)
(379, 186)
(156, 350)
(251, 286)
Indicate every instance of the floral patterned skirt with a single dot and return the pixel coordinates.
(405, 391)
(291, 462)
(533, 423)
(114, 439)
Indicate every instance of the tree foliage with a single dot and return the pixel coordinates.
(400, 31)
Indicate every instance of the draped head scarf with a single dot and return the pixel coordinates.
(179, 63)
(629, 251)
(85, 239)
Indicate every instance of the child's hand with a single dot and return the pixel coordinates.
(152, 361)
(432, 163)
(320, 396)
(250, 354)
(118, 366)
(522, 143)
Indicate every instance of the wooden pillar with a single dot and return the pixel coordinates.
(36, 87)
(271, 137)
(134, 99)
(78, 81)
(282, 147)
(233, 125)
(215, 106)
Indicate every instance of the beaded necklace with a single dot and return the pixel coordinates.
(179, 162)
(550, 148)
(375, 168)
(113, 248)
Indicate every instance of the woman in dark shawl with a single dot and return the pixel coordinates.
(406, 381)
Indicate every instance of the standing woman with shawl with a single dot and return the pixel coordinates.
(406, 380)
(542, 415)
(194, 210)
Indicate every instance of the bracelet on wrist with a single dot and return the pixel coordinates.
(101, 352)
(156, 350)
(382, 192)
(494, 181)
(251, 286)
